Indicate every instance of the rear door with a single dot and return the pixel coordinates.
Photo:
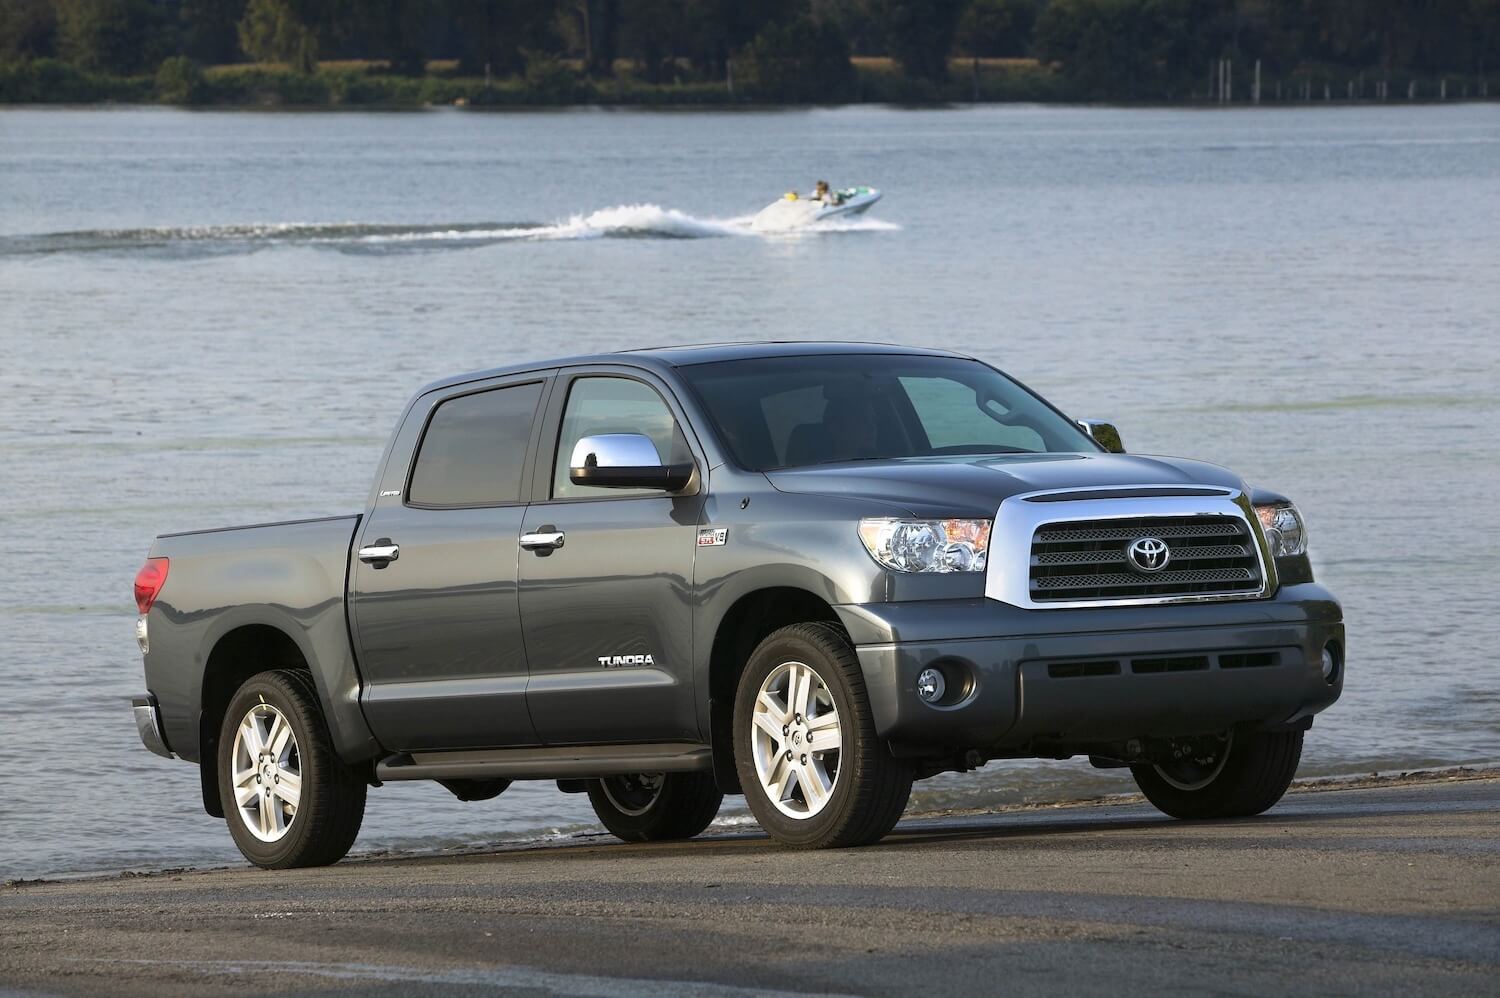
(608, 615)
(438, 625)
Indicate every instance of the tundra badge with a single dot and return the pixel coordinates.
(620, 661)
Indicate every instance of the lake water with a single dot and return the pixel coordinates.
(214, 318)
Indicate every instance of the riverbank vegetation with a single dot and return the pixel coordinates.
(668, 52)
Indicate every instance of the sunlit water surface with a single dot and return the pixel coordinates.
(210, 319)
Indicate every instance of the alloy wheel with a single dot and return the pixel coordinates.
(796, 740)
(267, 772)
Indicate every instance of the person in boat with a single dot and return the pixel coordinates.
(822, 193)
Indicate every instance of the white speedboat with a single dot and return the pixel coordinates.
(794, 211)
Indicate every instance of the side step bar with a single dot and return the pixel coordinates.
(547, 763)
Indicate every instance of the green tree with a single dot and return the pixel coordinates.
(395, 30)
(1125, 49)
(1484, 21)
(116, 36)
(799, 60)
(919, 34)
(595, 28)
(498, 33)
(996, 28)
(179, 80)
(280, 31)
(210, 29)
(654, 33)
(28, 29)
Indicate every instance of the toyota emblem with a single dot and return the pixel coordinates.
(1148, 554)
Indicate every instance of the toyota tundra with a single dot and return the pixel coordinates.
(808, 573)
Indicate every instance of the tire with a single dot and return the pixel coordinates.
(1252, 774)
(868, 788)
(320, 825)
(653, 807)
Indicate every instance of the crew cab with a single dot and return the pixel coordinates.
(808, 573)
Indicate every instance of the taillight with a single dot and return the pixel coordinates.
(148, 582)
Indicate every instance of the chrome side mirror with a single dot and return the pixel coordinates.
(1104, 434)
(624, 461)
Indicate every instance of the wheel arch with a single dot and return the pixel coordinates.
(747, 622)
(237, 652)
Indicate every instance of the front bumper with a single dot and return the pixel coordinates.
(1050, 679)
(148, 724)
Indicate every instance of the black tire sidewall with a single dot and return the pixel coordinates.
(684, 807)
(272, 689)
(778, 649)
(1257, 772)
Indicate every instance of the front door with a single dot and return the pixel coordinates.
(438, 625)
(608, 614)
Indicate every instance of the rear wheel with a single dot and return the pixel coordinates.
(288, 798)
(815, 772)
(650, 807)
(1228, 776)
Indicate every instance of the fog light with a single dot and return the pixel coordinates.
(931, 686)
(1330, 663)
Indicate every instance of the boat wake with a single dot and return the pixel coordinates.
(637, 221)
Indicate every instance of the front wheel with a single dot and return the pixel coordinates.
(651, 807)
(1229, 776)
(814, 771)
(288, 798)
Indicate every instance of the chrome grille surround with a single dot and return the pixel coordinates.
(1019, 518)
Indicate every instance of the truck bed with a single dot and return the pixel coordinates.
(244, 581)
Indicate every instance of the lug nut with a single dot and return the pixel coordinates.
(786, 729)
(804, 759)
(799, 718)
(788, 755)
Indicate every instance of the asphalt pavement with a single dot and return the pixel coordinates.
(1347, 891)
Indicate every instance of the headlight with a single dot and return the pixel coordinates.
(1285, 534)
(927, 545)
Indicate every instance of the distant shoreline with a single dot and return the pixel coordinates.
(359, 86)
(737, 107)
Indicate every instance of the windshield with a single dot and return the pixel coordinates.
(790, 412)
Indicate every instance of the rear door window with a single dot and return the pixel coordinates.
(474, 449)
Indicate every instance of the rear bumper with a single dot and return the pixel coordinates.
(148, 724)
(1044, 680)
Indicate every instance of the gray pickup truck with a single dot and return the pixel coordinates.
(808, 573)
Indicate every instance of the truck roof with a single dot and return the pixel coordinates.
(685, 355)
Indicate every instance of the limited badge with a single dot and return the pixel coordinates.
(712, 537)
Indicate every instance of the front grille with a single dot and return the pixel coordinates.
(1082, 560)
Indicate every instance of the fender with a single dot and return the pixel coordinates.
(321, 634)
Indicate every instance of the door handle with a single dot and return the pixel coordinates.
(381, 553)
(543, 540)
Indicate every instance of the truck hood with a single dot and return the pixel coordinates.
(975, 486)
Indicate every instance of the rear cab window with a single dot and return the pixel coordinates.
(473, 451)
